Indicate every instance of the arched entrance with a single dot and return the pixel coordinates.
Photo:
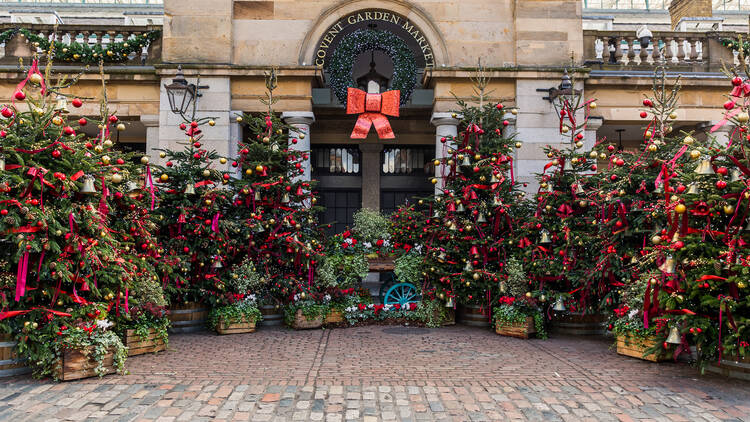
(386, 45)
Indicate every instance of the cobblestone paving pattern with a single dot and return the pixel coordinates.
(383, 374)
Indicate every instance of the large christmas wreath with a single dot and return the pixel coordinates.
(342, 61)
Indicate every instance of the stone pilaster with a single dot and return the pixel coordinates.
(300, 121)
(371, 175)
(446, 126)
(151, 122)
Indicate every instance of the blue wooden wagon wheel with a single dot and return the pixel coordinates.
(401, 293)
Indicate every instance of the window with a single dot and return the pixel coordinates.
(407, 160)
(336, 160)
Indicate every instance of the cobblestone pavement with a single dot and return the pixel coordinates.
(383, 374)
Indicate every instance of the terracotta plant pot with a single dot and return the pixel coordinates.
(137, 346)
(578, 325)
(516, 329)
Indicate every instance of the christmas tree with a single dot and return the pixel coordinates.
(73, 267)
(275, 205)
(469, 229)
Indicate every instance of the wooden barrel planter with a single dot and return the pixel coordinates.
(451, 318)
(188, 317)
(636, 347)
(272, 315)
(138, 346)
(75, 364)
(10, 364)
(302, 322)
(472, 315)
(239, 327)
(334, 316)
(522, 330)
(578, 325)
(729, 367)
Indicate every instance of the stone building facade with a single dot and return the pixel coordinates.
(525, 46)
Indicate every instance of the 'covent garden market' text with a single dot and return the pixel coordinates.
(369, 16)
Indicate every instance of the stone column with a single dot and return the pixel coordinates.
(445, 126)
(151, 122)
(371, 175)
(300, 121)
(215, 103)
(589, 136)
(721, 134)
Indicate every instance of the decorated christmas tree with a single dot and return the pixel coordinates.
(275, 205)
(195, 234)
(468, 232)
(74, 269)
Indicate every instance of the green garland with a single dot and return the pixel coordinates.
(342, 61)
(735, 45)
(81, 52)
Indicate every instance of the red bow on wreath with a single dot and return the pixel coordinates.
(372, 110)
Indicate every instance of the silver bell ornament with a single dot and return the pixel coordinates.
(190, 189)
(704, 167)
(88, 185)
(674, 336)
(559, 305)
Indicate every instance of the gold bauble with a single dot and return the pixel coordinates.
(565, 129)
(514, 111)
(266, 139)
(477, 157)
(741, 284)
(106, 160)
(302, 136)
(451, 162)
(743, 117)
(57, 120)
(680, 208)
(223, 160)
(35, 78)
(593, 154)
(475, 276)
(688, 140)
(673, 115)
(98, 148)
(583, 204)
(249, 172)
(593, 105)
(164, 177)
(653, 148)
(648, 134)
(239, 119)
(579, 144)
(121, 127)
(555, 162)
(656, 239)
(208, 202)
(206, 173)
(550, 154)
(694, 154)
(547, 207)
(144, 160)
(460, 156)
(433, 181)
(602, 156)
(107, 144)
(436, 162)
(259, 168)
(728, 209)
(518, 145)
(574, 160)
(211, 122)
(162, 154)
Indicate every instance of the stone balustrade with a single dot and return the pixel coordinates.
(18, 46)
(700, 51)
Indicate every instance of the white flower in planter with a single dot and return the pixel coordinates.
(103, 324)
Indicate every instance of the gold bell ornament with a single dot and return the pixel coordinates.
(559, 305)
(497, 202)
(704, 167)
(694, 189)
(460, 208)
(88, 185)
(441, 256)
(257, 195)
(568, 166)
(494, 179)
(481, 219)
(2, 163)
(190, 189)
(466, 162)
(668, 266)
(217, 263)
(674, 336)
(544, 237)
(735, 175)
(285, 198)
(62, 104)
(468, 267)
(579, 189)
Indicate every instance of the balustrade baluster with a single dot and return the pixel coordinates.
(655, 53)
(631, 50)
(680, 50)
(618, 49)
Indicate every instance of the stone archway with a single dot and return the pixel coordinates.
(415, 15)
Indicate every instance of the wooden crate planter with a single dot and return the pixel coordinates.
(75, 364)
(636, 347)
(522, 330)
(301, 322)
(10, 364)
(187, 317)
(138, 346)
(334, 317)
(381, 263)
(239, 327)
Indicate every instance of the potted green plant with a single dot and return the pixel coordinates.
(306, 310)
(144, 328)
(519, 317)
(633, 338)
(238, 317)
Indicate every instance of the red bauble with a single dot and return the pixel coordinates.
(593, 167)
(234, 164)
(499, 106)
(737, 81)
(197, 144)
(442, 140)
(3, 134)
(120, 161)
(56, 153)
(722, 171)
(193, 124)
(610, 148)
(82, 121)
(20, 96)
(6, 112)
(113, 119)
(647, 102)
(643, 115)
(476, 169)
(294, 141)
(118, 195)
(4, 212)
(76, 102)
(197, 155)
(680, 188)
(579, 136)
(679, 244)
(244, 151)
(620, 162)
(729, 105)
(69, 131)
(226, 176)
(721, 184)
(182, 126)
(169, 164)
(613, 177)
(506, 123)
(186, 249)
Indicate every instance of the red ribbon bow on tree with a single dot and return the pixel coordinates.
(372, 110)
